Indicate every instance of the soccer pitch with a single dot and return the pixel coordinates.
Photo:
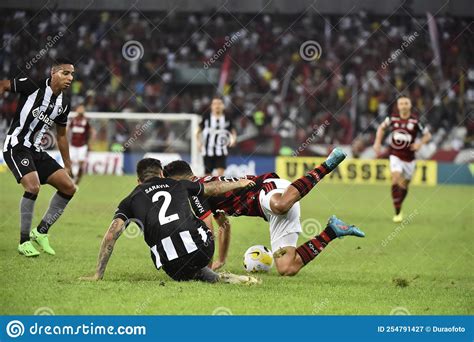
(421, 267)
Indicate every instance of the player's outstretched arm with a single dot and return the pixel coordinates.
(113, 233)
(217, 188)
(5, 85)
(425, 139)
(63, 146)
(378, 138)
(223, 236)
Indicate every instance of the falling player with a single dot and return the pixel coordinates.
(42, 104)
(404, 127)
(81, 133)
(276, 200)
(179, 242)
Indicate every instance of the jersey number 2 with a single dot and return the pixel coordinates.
(162, 214)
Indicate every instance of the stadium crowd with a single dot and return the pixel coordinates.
(276, 97)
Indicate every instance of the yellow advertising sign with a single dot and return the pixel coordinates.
(355, 171)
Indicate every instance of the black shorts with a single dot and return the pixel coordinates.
(22, 160)
(188, 267)
(216, 162)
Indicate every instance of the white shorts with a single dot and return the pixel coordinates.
(284, 229)
(78, 154)
(405, 168)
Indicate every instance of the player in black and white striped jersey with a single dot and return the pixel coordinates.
(179, 242)
(42, 104)
(215, 135)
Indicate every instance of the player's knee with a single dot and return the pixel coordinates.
(280, 207)
(69, 189)
(287, 270)
(33, 188)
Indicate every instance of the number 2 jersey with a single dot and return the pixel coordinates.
(160, 207)
(243, 202)
(403, 134)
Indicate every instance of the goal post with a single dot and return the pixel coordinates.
(165, 135)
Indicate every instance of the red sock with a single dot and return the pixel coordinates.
(306, 183)
(311, 249)
(398, 195)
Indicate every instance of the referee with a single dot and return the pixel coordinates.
(215, 135)
(41, 105)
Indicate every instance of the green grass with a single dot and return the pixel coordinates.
(426, 268)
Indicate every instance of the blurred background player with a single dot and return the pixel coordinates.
(215, 135)
(42, 104)
(81, 134)
(404, 127)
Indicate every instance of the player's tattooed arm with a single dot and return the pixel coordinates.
(106, 248)
(219, 187)
(5, 85)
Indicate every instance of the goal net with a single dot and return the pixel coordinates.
(132, 136)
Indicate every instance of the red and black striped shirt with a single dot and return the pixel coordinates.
(242, 202)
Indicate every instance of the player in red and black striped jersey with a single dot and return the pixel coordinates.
(276, 200)
(404, 127)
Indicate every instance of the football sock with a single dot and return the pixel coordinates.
(398, 195)
(57, 205)
(307, 182)
(311, 249)
(27, 206)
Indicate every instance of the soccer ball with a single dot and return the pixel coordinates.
(258, 259)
